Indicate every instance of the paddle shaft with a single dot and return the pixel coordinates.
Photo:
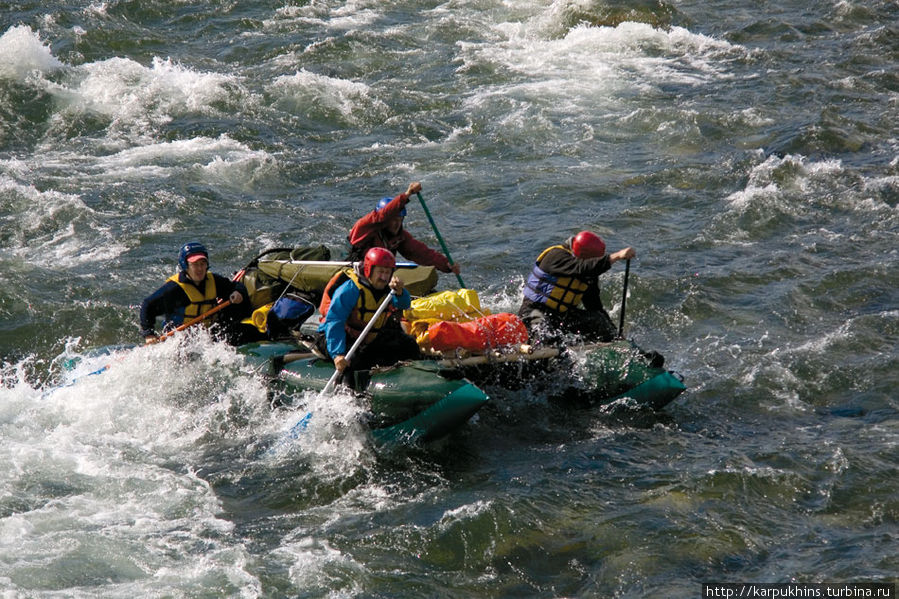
(358, 343)
(627, 271)
(439, 237)
(192, 321)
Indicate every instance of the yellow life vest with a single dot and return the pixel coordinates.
(556, 293)
(366, 306)
(199, 302)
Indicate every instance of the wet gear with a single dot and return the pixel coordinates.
(562, 297)
(200, 301)
(366, 305)
(180, 299)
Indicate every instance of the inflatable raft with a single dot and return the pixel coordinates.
(462, 340)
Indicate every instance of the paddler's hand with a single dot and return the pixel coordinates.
(413, 188)
(235, 297)
(454, 268)
(396, 285)
(340, 363)
(625, 254)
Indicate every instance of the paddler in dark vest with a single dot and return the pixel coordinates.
(383, 227)
(190, 293)
(561, 294)
(350, 300)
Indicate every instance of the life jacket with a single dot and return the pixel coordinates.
(556, 293)
(199, 302)
(368, 303)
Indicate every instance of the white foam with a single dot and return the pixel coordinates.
(103, 448)
(161, 158)
(131, 93)
(598, 61)
(134, 97)
(24, 53)
(332, 438)
(310, 92)
(344, 16)
(51, 227)
(312, 562)
(795, 185)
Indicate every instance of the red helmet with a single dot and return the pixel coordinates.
(588, 245)
(377, 257)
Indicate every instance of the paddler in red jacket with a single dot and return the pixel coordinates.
(561, 294)
(383, 227)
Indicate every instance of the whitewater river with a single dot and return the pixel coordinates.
(749, 152)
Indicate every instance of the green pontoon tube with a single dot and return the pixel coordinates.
(409, 403)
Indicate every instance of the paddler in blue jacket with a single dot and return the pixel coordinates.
(561, 294)
(350, 301)
(192, 292)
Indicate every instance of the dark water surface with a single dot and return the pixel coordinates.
(748, 151)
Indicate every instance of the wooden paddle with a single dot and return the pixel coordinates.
(191, 322)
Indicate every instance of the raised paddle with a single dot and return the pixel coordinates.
(191, 322)
(439, 237)
(627, 270)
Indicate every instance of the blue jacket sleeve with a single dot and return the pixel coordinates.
(342, 303)
(402, 301)
(161, 302)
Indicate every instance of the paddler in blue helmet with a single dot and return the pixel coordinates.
(350, 300)
(383, 227)
(193, 291)
(561, 295)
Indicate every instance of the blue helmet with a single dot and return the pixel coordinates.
(385, 201)
(191, 248)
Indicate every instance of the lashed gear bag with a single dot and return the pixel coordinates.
(288, 314)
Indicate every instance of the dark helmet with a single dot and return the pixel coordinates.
(377, 257)
(191, 249)
(384, 201)
(588, 245)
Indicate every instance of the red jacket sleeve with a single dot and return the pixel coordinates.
(374, 221)
(419, 253)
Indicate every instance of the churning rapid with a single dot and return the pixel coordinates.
(748, 152)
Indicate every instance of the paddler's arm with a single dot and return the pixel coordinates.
(625, 254)
(401, 298)
(592, 299)
(416, 251)
(154, 305)
(342, 304)
(235, 291)
(561, 263)
(369, 224)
